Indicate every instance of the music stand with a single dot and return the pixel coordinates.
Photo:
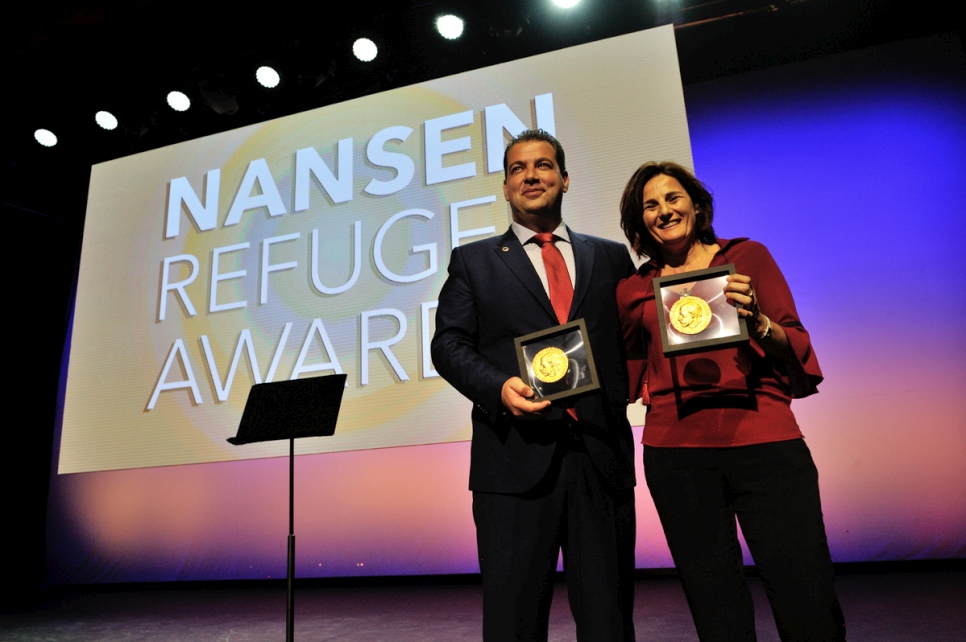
(291, 410)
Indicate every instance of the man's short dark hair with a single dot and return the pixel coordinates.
(632, 206)
(528, 135)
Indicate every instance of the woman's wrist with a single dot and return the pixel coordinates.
(764, 327)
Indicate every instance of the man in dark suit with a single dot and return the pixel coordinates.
(545, 477)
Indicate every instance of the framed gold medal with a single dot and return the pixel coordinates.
(693, 312)
(558, 362)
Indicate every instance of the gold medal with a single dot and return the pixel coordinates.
(550, 364)
(690, 314)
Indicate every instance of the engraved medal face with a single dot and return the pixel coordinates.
(550, 364)
(690, 314)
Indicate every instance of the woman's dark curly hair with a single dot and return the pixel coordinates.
(632, 206)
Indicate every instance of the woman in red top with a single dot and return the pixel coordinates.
(720, 440)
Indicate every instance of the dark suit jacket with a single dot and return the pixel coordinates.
(493, 295)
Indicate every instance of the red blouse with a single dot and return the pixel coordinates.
(733, 396)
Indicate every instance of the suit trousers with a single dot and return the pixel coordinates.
(772, 489)
(519, 538)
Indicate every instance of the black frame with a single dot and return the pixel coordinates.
(726, 327)
(573, 339)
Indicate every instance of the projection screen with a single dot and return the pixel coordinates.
(317, 244)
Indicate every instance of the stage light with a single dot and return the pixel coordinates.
(106, 120)
(449, 26)
(178, 101)
(45, 137)
(267, 77)
(566, 4)
(364, 49)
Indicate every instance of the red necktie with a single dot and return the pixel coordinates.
(558, 278)
(561, 289)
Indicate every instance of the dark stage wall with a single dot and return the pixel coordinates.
(850, 168)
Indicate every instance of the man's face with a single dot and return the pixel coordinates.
(534, 185)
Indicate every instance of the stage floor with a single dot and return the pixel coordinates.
(900, 606)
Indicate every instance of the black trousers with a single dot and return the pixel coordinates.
(519, 538)
(772, 489)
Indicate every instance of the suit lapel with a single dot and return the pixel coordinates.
(510, 251)
(584, 262)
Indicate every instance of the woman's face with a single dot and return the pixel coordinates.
(669, 214)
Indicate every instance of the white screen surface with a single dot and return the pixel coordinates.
(317, 243)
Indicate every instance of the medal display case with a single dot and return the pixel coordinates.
(694, 313)
(558, 362)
